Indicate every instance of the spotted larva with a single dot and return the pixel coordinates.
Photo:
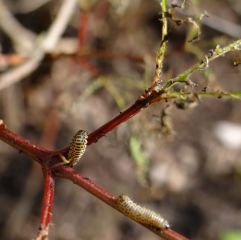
(76, 149)
(141, 214)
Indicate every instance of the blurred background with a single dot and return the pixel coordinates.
(181, 159)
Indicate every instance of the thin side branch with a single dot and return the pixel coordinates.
(163, 46)
(23, 39)
(142, 102)
(217, 94)
(209, 57)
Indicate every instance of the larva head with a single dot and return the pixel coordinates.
(83, 134)
(123, 198)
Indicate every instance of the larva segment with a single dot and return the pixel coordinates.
(141, 214)
(77, 148)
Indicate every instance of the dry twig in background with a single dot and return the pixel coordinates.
(42, 46)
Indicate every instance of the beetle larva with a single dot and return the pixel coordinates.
(76, 149)
(141, 214)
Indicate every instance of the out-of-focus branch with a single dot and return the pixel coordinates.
(222, 25)
(23, 39)
(58, 26)
(65, 46)
(43, 46)
(21, 71)
(26, 6)
(217, 23)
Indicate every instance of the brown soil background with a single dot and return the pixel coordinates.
(192, 179)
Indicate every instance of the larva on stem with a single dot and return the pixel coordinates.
(76, 149)
(141, 214)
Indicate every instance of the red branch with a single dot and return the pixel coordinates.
(142, 102)
(169, 234)
(44, 156)
(35, 151)
(86, 183)
(83, 28)
(109, 55)
(108, 198)
(48, 198)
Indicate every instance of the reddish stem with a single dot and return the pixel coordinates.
(88, 66)
(48, 198)
(148, 98)
(22, 144)
(140, 104)
(83, 28)
(144, 101)
(109, 55)
(169, 234)
(108, 198)
(69, 173)
(86, 183)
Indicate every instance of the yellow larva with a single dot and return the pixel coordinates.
(77, 148)
(141, 214)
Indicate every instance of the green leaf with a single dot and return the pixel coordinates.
(136, 152)
(140, 160)
(236, 94)
(231, 235)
